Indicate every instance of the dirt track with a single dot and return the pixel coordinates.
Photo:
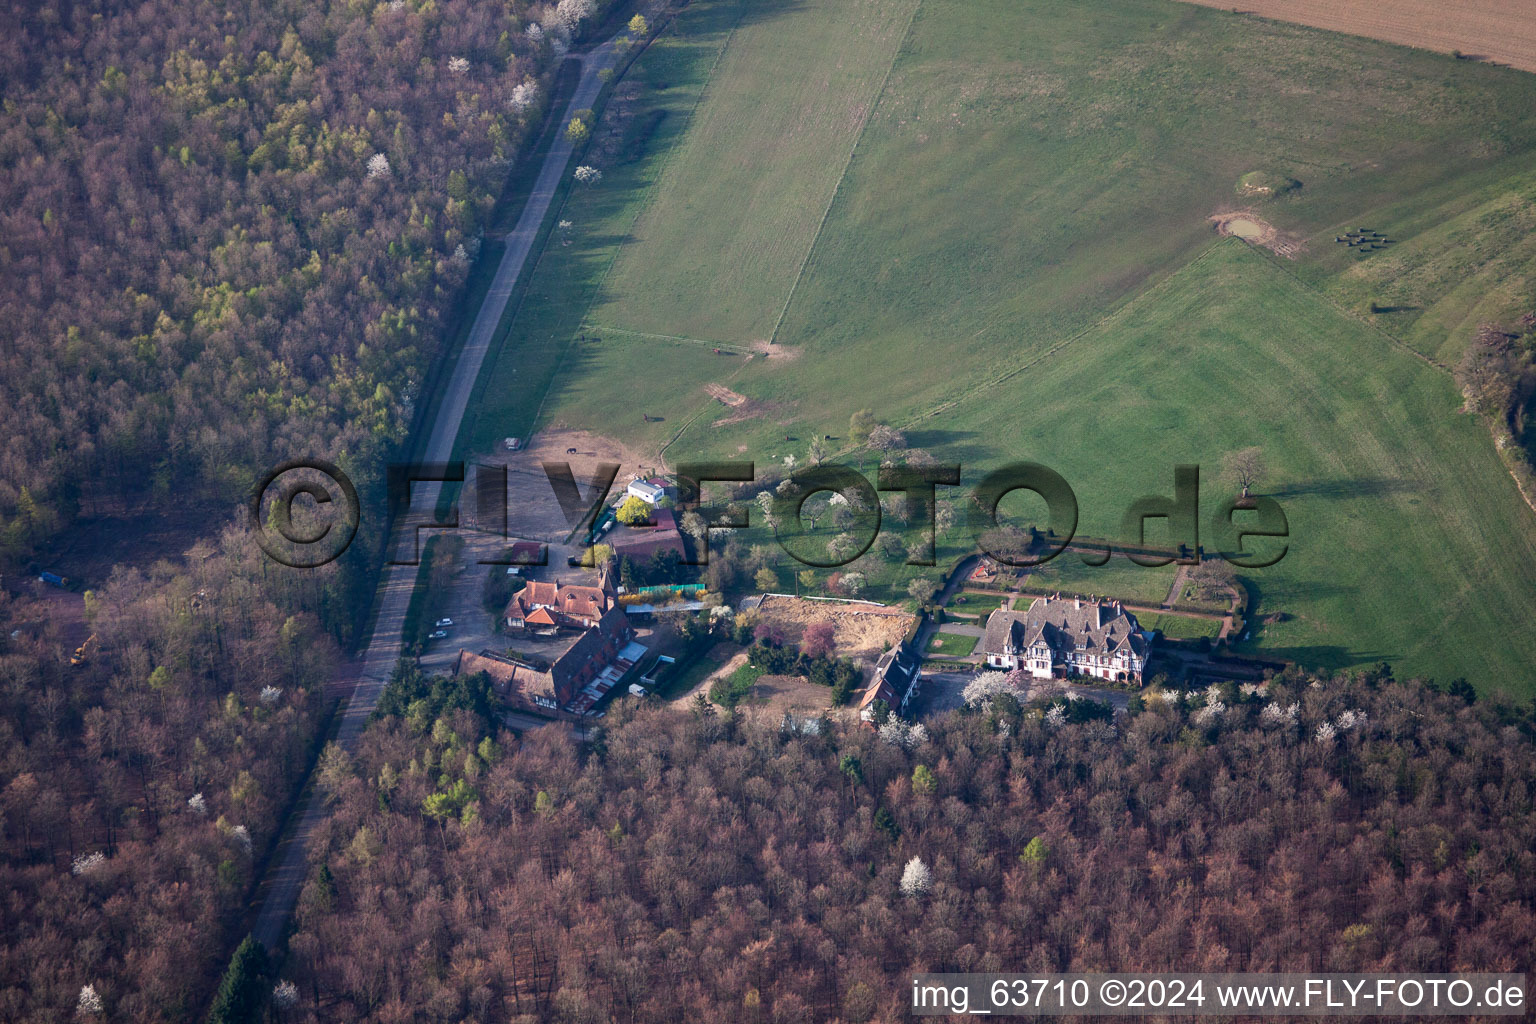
(1502, 31)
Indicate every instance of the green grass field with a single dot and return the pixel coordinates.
(722, 237)
(1180, 627)
(1119, 577)
(976, 604)
(952, 645)
(1012, 259)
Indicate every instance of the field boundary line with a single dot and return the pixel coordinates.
(723, 345)
(661, 174)
(1351, 314)
(906, 34)
(644, 206)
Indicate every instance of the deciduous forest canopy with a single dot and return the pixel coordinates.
(232, 232)
(719, 869)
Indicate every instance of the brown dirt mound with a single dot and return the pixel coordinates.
(1255, 230)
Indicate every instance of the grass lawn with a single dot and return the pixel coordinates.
(1118, 578)
(1181, 627)
(952, 645)
(736, 687)
(975, 604)
(679, 681)
(1017, 263)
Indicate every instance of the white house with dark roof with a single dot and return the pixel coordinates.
(1063, 637)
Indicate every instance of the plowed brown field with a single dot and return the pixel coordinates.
(1503, 31)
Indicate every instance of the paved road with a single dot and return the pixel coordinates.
(285, 878)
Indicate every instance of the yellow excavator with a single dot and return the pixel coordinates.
(84, 651)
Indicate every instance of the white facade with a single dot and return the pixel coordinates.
(646, 491)
(1068, 638)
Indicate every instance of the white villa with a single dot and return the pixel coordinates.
(1064, 637)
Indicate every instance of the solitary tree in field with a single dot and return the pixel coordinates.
(766, 579)
(577, 131)
(1244, 468)
(819, 450)
(806, 578)
(860, 424)
(638, 26)
(765, 505)
(887, 439)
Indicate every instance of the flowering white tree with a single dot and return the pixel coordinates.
(270, 695)
(460, 254)
(88, 862)
(1057, 716)
(378, 166)
(458, 65)
(1274, 714)
(242, 837)
(1210, 713)
(588, 175)
(197, 803)
(1325, 732)
(89, 1003)
(1352, 719)
(524, 95)
(916, 879)
(285, 995)
(534, 32)
(980, 692)
(899, 733)
(765, 504)
(853, 583)
(573, 12)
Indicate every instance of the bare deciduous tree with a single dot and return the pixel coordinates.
(1244, 468)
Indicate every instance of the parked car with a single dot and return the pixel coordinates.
(444, 622)
(439, 634)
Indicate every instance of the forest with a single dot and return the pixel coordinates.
(140, 789)
(230, 234)
(689, 864)
(234, 233)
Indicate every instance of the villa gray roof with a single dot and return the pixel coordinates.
(1065, 624)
